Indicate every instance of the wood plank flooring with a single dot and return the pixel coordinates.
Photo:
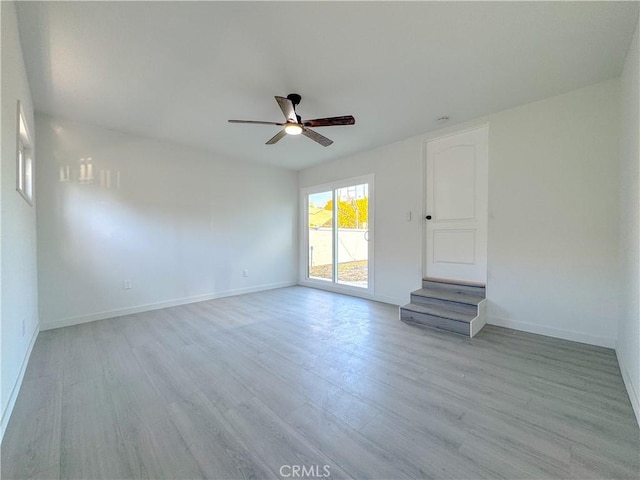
(255, 385)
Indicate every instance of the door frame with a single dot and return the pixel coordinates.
(303, 278)
(439, 136)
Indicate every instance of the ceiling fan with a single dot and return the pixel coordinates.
(294, 124)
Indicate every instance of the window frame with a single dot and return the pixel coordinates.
(24, 158)
(333, 284)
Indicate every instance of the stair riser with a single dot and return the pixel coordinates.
(434, 322)
(436, 302)
(479, 291)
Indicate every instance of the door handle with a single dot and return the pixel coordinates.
(428, 217)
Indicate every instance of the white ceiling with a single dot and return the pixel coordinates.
(178, 71)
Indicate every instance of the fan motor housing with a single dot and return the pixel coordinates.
(295, 98)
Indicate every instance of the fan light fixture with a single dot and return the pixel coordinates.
(293, 129)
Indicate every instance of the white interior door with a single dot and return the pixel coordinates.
(456, 210)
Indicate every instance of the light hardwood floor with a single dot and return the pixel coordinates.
(251, 386)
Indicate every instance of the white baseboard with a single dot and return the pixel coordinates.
(6, 414)
(92, 317)
(390, 300)
(634, 398)
(352, 292)
(553, 332)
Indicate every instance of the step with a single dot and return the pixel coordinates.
(435, 317)
(456, 301)
(440, 312)
(455, 286)
(458, 307)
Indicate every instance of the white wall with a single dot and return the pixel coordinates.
(398, 189)
(553, 207)
(553, 224)
(180, 223)
(18, 291)
(628, 347)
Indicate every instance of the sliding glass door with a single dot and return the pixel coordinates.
(338, 233)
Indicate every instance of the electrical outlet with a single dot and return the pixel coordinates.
(127, 285)
(245, 273)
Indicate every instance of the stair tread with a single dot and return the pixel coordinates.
(458, 297)
(462, 283)
(439, 312)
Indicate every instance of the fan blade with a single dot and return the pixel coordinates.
(255, 122)
(287, 108)
(316, 137)
(330, 122)
(277, 137)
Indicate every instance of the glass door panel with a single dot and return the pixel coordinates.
(352, 235)
(320, 221)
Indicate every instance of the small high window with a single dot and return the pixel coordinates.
(24, 158)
